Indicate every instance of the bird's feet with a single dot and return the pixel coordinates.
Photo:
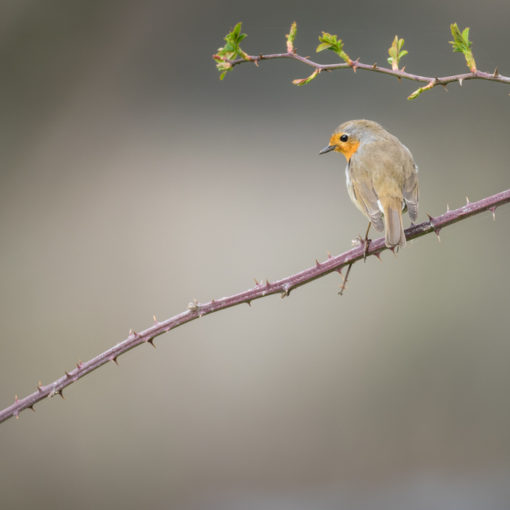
(363, 241)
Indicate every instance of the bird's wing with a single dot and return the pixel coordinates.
(366, 196)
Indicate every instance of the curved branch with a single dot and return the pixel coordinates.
(282, 287)
(431, 81)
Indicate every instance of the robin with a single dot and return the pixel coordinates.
(382, 177)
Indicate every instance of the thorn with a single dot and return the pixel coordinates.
(16, 415)
(431, 221)
(16, 399)
(447, 208)
(445, 88)
(256, 282)
(436, 230)
(115, 360)
(267, 284)
(61, 393)
(378, 255)
(79, 365)
(329, 255)
(317, 263)
(155, 319)
(374, 65)
(393, 250)
(467, 200)
(248, 302)
(496, 73)
(39, 386)
(286, 290)
(493, 211)
(151, 341)
(131, 332)
(460, 81)
(344, 283)
(30, 407)
(68, 375)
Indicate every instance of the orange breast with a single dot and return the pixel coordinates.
(349, 148)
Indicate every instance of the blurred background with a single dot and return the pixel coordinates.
(132, 180)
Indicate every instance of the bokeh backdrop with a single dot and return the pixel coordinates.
(132, 180)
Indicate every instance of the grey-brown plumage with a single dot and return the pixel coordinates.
(382, 178)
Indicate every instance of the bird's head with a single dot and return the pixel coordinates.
(348, 136)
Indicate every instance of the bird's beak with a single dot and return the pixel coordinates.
(329, 148)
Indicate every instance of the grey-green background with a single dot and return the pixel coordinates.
(132, 180)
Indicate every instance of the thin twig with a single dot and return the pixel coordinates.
(282, 287)
(432, 81)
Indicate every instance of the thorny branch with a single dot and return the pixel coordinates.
(282, 287)
(231, 55)
(431, 81)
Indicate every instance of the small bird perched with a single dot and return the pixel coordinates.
(382, 177)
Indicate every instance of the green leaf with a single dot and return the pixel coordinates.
(236, 30)
(462, 44)
(331, 42)
(231, 51)
(323, 46)
(291, 36)
(415, 94)
(303, 81)
(396, 52)
(419, 91)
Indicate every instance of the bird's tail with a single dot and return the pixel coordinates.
(393, 225)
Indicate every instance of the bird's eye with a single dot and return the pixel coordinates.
(344, 138)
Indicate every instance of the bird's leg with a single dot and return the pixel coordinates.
(366, 241)
(366, 245)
